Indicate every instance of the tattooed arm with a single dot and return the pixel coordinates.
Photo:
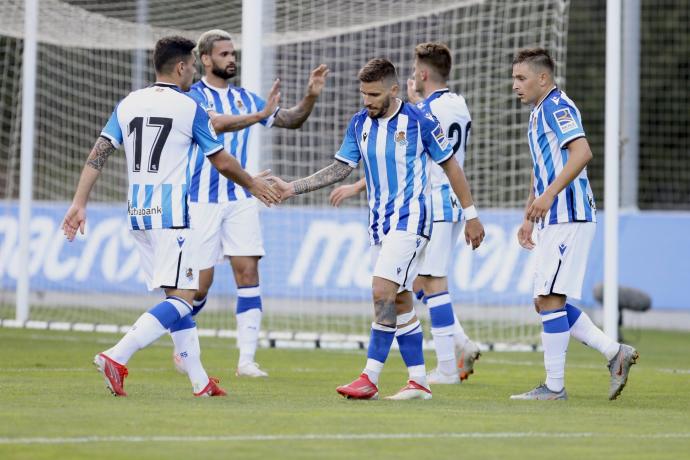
(331, 174)
(75, 218)
(294, 117)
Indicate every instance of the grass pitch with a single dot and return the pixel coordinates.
(53, 404)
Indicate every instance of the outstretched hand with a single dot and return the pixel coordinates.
(317, 80)
(285, 189)
(262, 188)
(75, 219)
(343, 192)
(273, 99)
(412, 94)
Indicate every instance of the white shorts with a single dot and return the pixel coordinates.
(561, 258)
(440, 249)
(398, 257)
(168, 257)
(231, 228)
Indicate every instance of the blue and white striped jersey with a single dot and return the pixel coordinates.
(207, 185)
(394, 151)
(451, 111)
(159, 127)
(554, 123)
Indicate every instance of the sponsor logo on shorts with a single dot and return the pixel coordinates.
(399, 270)
(180, 241)
(562, 248)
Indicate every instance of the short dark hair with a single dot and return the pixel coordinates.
(536, 57)
(376, 70)
(436, 55)
(169, 51)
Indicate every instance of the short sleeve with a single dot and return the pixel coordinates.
(199, 97)
(434, 139)
(202, 133)
(112, 130)
(349, 150)
(260, 104)
(564, 121)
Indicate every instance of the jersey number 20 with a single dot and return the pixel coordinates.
(136, 128)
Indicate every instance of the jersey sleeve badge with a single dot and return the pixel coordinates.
(565, 120)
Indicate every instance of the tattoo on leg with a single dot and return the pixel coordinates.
(100, 152)
(331, 174)
(385, 312)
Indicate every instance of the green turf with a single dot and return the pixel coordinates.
(48, 389)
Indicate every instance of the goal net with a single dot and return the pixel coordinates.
(316, 276)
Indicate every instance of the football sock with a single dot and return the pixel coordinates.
(185, 337)
(197, 305)
(459, 335)
(249, 312)
(148, 328)
(410, 340)
(380, 342)
(554, 339)
(443, 327)
(584, 330)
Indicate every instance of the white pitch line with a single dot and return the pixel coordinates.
(335, 437)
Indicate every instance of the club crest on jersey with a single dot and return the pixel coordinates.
(190, 274)
(565, 120)
(238, 104)
(401, 138)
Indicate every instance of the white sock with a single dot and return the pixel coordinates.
(459, 333)
(146, 330)
(187, 347)
(373, 369)
(555, 348)
(554, 339)
(418, 374)
(445, 352)
(588, 333)
(248, 327)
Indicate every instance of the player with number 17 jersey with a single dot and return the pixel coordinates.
(159, 127)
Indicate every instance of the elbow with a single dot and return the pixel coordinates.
(587, 157)
(217, 125)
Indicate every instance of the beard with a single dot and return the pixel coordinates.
(225, 74)
(381, 112)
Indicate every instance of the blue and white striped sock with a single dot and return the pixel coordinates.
(410, 341)
(554, 339)
(185, 338)
(583, 329)
(149, 327)
(443, 328)
(380, 342)
(249, 311)
(197, 306)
